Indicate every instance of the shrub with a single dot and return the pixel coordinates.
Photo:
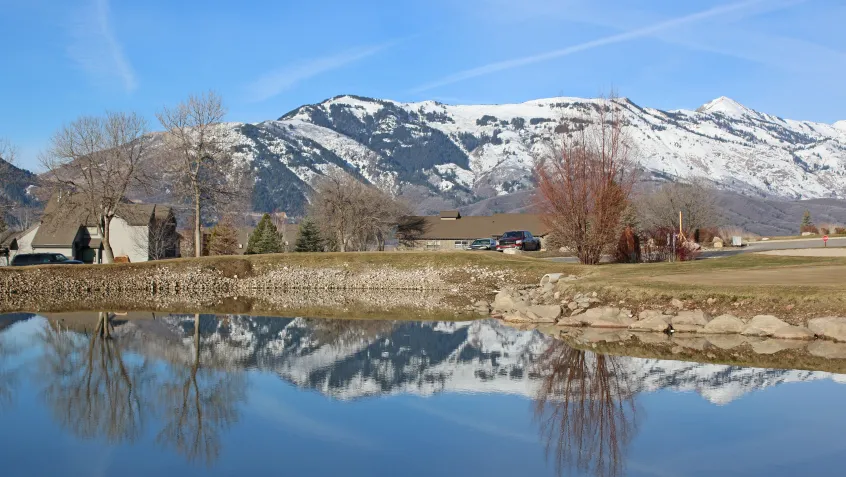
(705, 234)
(840, 230)
(657, 246)
(823, 230)
(628, 247)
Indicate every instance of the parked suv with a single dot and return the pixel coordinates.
(25, 259)
(521, 239)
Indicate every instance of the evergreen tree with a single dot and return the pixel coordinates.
(807, 224)
(309, 239)
(265, 238)
(223, 239)
(255, 236)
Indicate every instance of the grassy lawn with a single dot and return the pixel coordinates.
(799, 287)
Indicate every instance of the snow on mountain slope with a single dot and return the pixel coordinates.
(420, 358)
(466, 153)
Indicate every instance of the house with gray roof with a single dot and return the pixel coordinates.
(450, 230)
(139, 232)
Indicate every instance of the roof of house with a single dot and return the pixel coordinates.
(66, 213)
(6, 239)
(476, 226)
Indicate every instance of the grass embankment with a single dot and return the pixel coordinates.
(744, 285)
(799, 287)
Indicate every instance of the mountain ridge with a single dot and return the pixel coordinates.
(454, 155)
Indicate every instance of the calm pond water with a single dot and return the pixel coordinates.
(279, 396)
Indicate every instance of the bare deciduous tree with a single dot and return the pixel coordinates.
(200, 402)
(99, 158)
(695, 200)
(161, 240)
(353, 214)
(199, 152)
(586, 410)
(585, 181)
(93, 391)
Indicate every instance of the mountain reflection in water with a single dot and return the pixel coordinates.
(184, 381)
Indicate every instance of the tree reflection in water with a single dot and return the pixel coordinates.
(199, 403)
(586, 410)
(92, 391)
(8, 377)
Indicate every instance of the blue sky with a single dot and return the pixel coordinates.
(63, 59)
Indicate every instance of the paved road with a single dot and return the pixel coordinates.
(751, 248)
(776, 245)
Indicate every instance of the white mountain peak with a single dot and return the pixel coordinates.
(725, 105)
(841, 125)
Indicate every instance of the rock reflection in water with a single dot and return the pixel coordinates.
(586, 410)
(94, 392)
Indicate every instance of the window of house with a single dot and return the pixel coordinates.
(433, 245)
(462, 244)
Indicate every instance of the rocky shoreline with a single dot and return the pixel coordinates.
(136, 287)
(560, 309)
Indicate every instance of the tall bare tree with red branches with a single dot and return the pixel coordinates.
(585, 181)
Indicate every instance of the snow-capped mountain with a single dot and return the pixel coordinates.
(451, 155)
(352, 359)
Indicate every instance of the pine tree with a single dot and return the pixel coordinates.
(255, 236)
(223, 239)
(265, 238)
(807, 224)
(309, 239)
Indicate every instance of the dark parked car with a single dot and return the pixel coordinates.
(483, 244)
(25, 259)
(521, 239)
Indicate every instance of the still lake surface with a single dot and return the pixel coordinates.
(279, 396)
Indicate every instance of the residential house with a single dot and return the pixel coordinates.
(450, 230)
(13, 241)
(139, 232)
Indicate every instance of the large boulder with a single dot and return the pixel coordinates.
(830, 327)
(651, 322)
(791, 332)
(827, 349)
(724, 324)
(772, 346)
(606, 317)
(608, 335)
(517, 317)
(691, 321)
(691, 341)
(763, 325)
(726, 341)
(504, 301)
(547, 313)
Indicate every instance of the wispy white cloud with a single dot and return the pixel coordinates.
(589, 45)
(95, 47)
(296, 420)
(275, 82)
(732, 40)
